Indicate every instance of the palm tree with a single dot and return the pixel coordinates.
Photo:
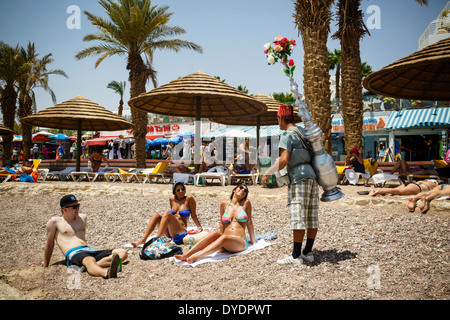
(351, 30)
(118, 87)
(334, 61)
(284, 98)
(135, 28)
(10, 70)
(312, 18)
(35, 75)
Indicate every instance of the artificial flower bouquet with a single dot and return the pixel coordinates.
(281, 50)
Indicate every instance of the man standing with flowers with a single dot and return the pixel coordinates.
(296, 156)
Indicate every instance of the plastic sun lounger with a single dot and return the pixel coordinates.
(6, 176)
(61, 175)
(222, 177)
(155, 173)
(252, 176)
(79, 175)
(380, 179)
(411, 177)
(94, 176)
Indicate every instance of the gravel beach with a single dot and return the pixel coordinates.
(366, 248)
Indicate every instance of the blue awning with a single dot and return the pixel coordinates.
(414, 118)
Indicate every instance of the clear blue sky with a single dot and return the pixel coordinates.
(232, 34)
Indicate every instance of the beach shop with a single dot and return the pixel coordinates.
(374, 132)
(419, 134)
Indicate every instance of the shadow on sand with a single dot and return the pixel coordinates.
(332, 256)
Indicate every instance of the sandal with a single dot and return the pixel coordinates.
(362, 193)
(112, 270)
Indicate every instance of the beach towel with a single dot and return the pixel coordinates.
(219, 256)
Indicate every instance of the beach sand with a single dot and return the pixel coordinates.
(366, 247)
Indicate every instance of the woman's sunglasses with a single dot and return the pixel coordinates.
(180, 190)
(243, 188)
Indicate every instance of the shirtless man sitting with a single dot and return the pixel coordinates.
(69, 232)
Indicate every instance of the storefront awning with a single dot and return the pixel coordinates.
(414, 118)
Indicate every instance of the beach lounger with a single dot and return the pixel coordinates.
(95, 176)
(412, 177)
(380, 179)
(155, 173)
(60, 175)
(6, 177)
(222, 177)
(186, 178)
(82, 174)
(242, 176)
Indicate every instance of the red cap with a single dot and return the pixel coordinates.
(355, 150)
(285, 111)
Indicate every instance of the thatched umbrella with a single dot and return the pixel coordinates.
(267, 118)
(423, 75)
(201, 96)
(78, 114)
(4, 131)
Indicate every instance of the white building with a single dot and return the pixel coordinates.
(438, 29)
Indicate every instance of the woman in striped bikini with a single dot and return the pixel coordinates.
(235, 216)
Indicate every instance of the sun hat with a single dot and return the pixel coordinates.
(67, 200)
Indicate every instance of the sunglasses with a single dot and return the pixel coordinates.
(75, 207)
(180, 190)
(243, 188)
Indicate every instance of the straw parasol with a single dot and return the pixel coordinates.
(267, 118)
(78, 114)
(201, 96)
(4, 131)
(423, 75)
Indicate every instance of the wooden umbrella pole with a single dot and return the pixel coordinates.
(197, 138)
(79, 151)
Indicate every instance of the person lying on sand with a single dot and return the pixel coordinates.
(235, 216)
(69, 232)
(173, 223)
(406, 189)
(442, 190)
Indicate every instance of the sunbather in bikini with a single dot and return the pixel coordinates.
(235, 216)
(441, 190)
(409, 188)
(173, 222)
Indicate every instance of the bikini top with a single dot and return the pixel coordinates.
(184, 213)
(242, 216)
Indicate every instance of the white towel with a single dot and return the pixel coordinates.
(218, 256)
(353, 176)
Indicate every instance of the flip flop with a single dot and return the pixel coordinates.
(112, 270)
(362, 193)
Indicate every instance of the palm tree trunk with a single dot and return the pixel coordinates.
(120, 111)
(25, 109)
(338, 86)
(138, 76)
(351, 30)
(8, 102)
(313, 22)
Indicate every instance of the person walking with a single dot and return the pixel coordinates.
(303, 189)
